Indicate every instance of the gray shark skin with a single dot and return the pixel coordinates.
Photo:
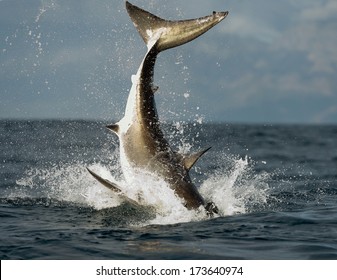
(177, 33)
(143, 147)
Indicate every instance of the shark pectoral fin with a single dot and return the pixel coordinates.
(114, 187)
(110, 185)
(190, 160)
(171, 33)
(114, 128)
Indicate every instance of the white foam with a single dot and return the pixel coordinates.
(230, 190)
(69, 182)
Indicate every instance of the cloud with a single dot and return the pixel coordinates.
(265, 53)
(318, 11)
(248, 27)
(328, 113)
(318, 41)
(74, 55)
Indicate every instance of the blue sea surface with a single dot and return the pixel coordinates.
(275, 186)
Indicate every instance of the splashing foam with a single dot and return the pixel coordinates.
(45, 6)
(70, 183)
(233, 191)
(237, 190)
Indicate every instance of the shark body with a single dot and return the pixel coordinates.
(143, 147)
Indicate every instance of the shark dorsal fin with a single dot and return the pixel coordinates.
(190, 160)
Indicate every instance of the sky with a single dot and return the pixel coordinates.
(267, 62)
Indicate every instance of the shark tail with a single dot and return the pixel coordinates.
(169, 34)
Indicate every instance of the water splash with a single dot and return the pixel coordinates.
(236, 190)
(45, 5)
(67, 182)
(233, 191)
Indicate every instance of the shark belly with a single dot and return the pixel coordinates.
(139, 157)
(143, 148)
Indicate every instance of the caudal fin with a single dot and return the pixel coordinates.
(167, 33)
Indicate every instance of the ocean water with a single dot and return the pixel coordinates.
(275, 186)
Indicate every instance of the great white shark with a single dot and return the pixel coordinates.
(143, 147)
